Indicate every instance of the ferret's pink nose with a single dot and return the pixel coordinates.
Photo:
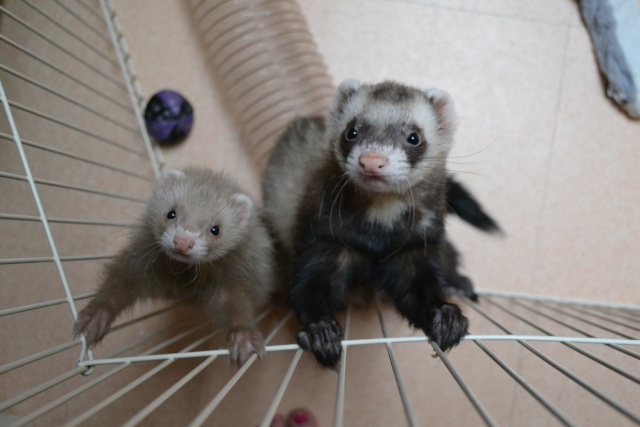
(182, 243)
(373, 163)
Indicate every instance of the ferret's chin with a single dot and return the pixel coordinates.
(184, 258)
(375, 184)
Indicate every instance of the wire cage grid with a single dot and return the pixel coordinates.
(77, 164)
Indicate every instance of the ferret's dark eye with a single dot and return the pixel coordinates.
(171, 214)
(351, 134)
(413, 139)
(215, 230)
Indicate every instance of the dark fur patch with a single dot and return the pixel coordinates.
(418, 152)
(362, 127)
(462, 203)
(392, 92)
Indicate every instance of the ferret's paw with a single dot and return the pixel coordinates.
(94, 322)
(242, 343)
(448, 326)
(323, 340)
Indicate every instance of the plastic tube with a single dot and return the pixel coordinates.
(267, 66)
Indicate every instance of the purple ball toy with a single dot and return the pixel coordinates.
(168, 117)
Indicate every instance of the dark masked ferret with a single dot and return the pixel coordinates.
(200, 241)
(358, 202)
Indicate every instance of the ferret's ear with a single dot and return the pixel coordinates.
(445, 111)
(242, 206)
(343, 93)
(168, 178)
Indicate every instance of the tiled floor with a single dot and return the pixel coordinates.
(538, 142)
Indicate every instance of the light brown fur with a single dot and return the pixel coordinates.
(229, 275)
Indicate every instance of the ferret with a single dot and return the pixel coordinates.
(357, 201)
(200, 241)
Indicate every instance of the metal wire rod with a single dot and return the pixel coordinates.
(29, 218)
(618, 314)
(135, 383)
(76, 128)
(159, 357)
(62, 347)
(40, 388)
(130, 79)
(38, 356)
(588, 322)
(204, 414)
(169, 330)
(113, 397)
(271, 411)
(68, 99)
(77, 58)
(37, 260)
(70, 395)
(373, 341)
(85, 350)
(71, 33)
(486, 417)
(71, 77)
(40, 305)
(36, 198)
(591, 356)
(406, 403)
(64, 153)
(170, 391)
(120, 44)
(570, 345)
(612, 344)
(83, 21)
(394, 340)
(615, 405)
(338, 413)
(144, 358)
(89, 9)
(52, 405)
(529, 388)
(72, 187)
(584, 303)
(147, 410)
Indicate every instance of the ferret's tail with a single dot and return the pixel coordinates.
(462, 203)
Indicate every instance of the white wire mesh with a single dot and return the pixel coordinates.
(75, 169)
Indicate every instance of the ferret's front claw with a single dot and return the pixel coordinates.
(448, 326)
(323, 339)
(244, 342)
(94, 322)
